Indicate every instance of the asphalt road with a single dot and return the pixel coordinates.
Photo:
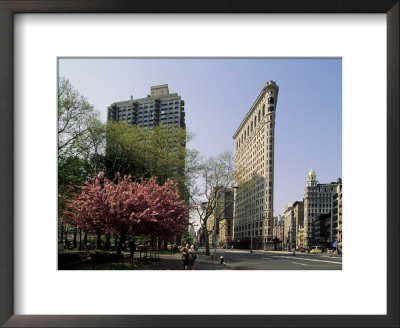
(260, 260)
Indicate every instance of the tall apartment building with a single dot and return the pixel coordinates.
(160, 107)
(254, 161)
(322, 201)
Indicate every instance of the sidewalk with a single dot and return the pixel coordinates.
(324, 254)
(174, 262)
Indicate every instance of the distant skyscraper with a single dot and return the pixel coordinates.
(160, 107)
(254, 160)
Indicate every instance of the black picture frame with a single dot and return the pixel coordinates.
(7, 10)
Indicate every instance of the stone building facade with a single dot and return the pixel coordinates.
(300, 238)
(322, 209)
(221, 220)
(294, 220)
(254, 181)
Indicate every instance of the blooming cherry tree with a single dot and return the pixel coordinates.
(128, 208)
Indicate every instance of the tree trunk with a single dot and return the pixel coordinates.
(120, 243)
(62, 232)
(66, 237)
(108, 241)
(132, 246)
(206, 240)
(98, 240)
(207, 246)
(75, 234)
(85, 239)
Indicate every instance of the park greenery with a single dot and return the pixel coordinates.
(118, 180)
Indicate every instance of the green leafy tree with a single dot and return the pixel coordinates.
(91, 146)
(81, 142)
(140, 153)
(125, 151)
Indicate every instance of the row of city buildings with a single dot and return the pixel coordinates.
(249, 222)
(244, 213)
(315, 220)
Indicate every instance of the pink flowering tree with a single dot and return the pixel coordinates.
(128, 208)
(88, 210)
(170, 215)
(145, 208)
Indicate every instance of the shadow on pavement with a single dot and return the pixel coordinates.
(174, 262)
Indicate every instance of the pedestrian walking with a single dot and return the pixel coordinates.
(294, 251)
(192, 256)
(185, 257)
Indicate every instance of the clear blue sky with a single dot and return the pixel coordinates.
(219, 92)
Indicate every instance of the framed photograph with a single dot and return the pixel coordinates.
(335, 67)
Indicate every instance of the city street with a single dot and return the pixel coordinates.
(276, 260)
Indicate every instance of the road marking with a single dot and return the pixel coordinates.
(300, 263)
(229, 265)
(304, 259)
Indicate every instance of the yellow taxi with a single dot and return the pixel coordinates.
(316, 250)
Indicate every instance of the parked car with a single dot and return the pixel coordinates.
(316, 250)
(301, 250)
